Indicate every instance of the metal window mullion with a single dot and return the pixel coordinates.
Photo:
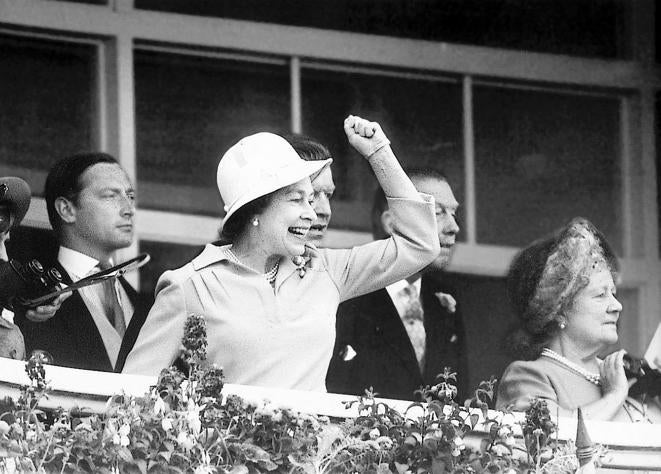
(295, 85)
(470, 203)
(626, 186)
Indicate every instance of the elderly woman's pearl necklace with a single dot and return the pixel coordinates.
(589, 376)
(270, 275)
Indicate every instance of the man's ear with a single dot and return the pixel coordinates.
(387, 221)
(65, 209)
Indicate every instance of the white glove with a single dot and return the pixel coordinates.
(365, 136)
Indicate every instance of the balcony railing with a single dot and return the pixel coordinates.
(629, 446)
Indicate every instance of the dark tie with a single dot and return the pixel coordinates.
(413, 319)
(111, 303)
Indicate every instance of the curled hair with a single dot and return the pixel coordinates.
(544, 279)
(237, 223)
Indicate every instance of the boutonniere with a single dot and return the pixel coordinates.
(447, 301)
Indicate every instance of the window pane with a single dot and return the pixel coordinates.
(577, 27)
(191, 110)
(422, 119)
(164, 256)
(47, 97)
(541, 159)
(657, 147)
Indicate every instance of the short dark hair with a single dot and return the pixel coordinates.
(236, 224)
(63, 180)
(380, 203)
(308, 148)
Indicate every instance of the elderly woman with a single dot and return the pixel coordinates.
(563, 292)
(269, 297)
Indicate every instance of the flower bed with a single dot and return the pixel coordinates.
(190, 423)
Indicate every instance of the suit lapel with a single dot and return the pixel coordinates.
(80, 325)
(384, 316)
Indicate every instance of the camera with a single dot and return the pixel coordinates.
(649, 378)
(20, 283)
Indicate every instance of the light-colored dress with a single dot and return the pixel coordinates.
(563, 389)
(283, 336)
(12, 344)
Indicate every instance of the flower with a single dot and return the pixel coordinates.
(159, 406)
(166, 424)
(185, 441)
(447, 301)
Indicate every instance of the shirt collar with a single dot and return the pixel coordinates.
(401, 284)
(77, 265)
(214, 253)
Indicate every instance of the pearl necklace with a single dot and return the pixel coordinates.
(270, 275)
(589, 376)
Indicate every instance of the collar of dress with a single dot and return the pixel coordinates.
(214, 253)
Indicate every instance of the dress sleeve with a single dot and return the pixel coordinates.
(521, 383)
(159, 341)
(413, 245)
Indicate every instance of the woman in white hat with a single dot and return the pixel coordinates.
(269, 297)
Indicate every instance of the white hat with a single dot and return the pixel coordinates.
(258, 165)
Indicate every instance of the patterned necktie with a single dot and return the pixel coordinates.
(111, 302)
(413, 319)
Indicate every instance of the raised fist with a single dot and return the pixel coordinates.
(365, 136)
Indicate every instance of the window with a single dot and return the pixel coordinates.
(542, 158)
(47, 92)
(422, 117)
(189, 111)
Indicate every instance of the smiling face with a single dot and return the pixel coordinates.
(101, 219)
(323, 187)
(284, 224)
(592, 321)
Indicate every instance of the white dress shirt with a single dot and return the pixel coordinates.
(394, 291)
(78, 266)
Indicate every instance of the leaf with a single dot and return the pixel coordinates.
(125, 455)
(383, 468)
(239, 469)
(142, 465)
(401, 468)
(475, 418)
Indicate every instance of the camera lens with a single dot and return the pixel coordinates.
(54, 277)
(35, 267)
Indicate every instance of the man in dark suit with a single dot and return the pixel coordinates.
(91, 207)
(400, 338)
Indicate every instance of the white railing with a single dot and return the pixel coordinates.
(630, 446)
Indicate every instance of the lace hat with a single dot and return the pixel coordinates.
(545, 277)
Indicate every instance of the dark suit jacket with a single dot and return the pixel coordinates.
(71, 336)
(385, 359)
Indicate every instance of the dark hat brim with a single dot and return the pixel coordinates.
(17, 195)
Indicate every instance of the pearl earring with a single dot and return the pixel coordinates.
(563, 325)
(255, 222)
